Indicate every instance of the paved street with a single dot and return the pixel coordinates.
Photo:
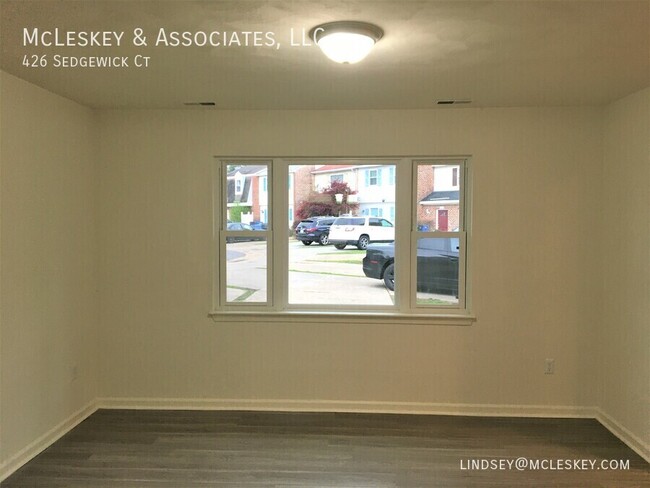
(318, 274)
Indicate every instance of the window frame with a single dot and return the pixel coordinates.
(405, 309)
(220, 234)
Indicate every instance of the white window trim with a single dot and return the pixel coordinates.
(277, 308)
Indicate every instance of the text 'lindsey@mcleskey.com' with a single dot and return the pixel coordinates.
(530, 464)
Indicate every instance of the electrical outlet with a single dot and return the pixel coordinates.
(549, 366)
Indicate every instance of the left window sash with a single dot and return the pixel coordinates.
(244, 225)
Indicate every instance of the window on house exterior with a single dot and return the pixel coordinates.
(330, 258)
(454, 177)
(238, 185)
(373, 177)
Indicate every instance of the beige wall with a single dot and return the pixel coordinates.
(48, 254)
(536, 261)
(625, 224)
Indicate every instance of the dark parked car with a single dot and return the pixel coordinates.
(257, 225)
(437, 268)
(237, 226)
(314, 229)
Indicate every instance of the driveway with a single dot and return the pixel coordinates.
(317, 275)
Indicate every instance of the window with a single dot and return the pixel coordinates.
(238, 185)
(338, 254)
(373, 177)
(454, 177)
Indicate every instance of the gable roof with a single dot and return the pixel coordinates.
(232, 197)
(246, 170)
(442, 196)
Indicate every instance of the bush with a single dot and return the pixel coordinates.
(324, 202)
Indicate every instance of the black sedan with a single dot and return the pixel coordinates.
(437, 269)
(237, 226)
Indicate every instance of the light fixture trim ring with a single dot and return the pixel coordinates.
(348, 26)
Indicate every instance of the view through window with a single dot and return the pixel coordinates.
(337, 235)
(340, 211)
(246, 232)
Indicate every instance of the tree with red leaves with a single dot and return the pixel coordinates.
(324, 202)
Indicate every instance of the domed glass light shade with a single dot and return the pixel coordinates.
(346, 42)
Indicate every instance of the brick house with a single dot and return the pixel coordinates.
(438, 195)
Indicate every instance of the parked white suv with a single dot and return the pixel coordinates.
(360, 231)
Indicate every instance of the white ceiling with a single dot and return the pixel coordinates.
(497, 53)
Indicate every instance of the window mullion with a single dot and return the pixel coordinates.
(403, 204)
(280, 257)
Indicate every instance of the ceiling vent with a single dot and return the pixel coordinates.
(199, 104)
(452, 101)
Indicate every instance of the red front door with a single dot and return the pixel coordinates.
(443, 220)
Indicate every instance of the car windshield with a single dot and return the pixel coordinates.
(349, 221)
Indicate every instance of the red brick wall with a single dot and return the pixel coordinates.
(428, 215)
(303, 184)
(425, 181)
(255, 189)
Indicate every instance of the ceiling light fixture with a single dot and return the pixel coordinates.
(346, 41)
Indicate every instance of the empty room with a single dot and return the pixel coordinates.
(314, 244)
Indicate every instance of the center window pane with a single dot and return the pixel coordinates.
(340, 214)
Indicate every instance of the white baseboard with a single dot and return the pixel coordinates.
(46, 440)
(476, 410)
(632, 441)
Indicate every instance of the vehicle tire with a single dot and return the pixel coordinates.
(340, 246)
(362, 243)
(389, 277)
(306, 243)
(324, 239)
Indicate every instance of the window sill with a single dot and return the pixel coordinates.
(332, 317)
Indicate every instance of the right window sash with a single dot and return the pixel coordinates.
(439, 236)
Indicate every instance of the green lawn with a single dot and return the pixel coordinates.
(323, 273)
(346, 261)
(339, 253)
(433, 301)
(247, 292)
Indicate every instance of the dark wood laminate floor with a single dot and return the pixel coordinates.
(186, 449)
